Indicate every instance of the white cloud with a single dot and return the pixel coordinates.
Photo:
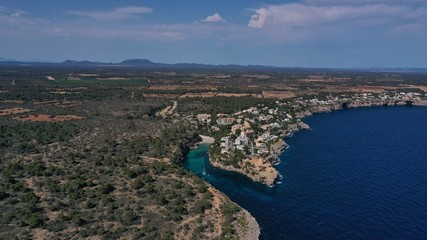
(302, 15)
(115, 14)
(214, 18)
(11, 12)
(258, 20)
(302, 22)
(16, 14)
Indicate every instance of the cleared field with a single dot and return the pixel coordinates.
(359, 88)
(67, 104)
(12, 111)
(182, 87)
(236, 94)
(423, 88)
(206, 94)
(373, 89)
(50, 102)
(48, 118)
(12, 101)
(278, 94)
(165, 96)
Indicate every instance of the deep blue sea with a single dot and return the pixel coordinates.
(358, 174)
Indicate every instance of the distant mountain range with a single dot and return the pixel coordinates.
(140, 63)
(145, 63)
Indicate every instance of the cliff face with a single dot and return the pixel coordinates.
(252, 230)
(256, 168)
(420, 103)
(278, 147)
(245, 226)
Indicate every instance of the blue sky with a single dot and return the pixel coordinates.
(305, 33)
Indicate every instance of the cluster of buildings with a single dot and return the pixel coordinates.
(360, 100)
(254, 130)
(250, 130)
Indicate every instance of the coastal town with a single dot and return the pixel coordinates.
(100, 148)
(252, 139)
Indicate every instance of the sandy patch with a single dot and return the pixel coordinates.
(50, 78)
(168, 110)
(206, 139)
(39, 233)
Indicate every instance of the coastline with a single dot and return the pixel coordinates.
(248, 228)
(244, 224)
(266, 176)
(264, 171)
(328, 143)
(253, 229)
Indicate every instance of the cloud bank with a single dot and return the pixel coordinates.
(115, 14)
(303, 15)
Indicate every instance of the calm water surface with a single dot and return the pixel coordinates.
(358, 174)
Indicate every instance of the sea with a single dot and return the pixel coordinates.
(357, 174)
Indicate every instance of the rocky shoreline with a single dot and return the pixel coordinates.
(253, 230)
(267, 175)
(264, 170)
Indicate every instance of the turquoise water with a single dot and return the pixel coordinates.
(197, 160)
(358, 174)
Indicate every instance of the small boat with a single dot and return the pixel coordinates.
(204, 170)
(195, 146)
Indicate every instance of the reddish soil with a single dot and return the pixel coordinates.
(48, 118)
(11, 111)
(278, 94)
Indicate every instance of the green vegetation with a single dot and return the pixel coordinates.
(117, 173)
(215, 105)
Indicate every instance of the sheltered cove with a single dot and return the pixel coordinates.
(266, 173)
